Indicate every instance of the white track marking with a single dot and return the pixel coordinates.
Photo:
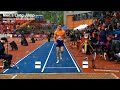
(115, 75)
(25, 57)
(72, 59)
(53, 73)
(106, 70)
(60, 67)
(47, 58)
(14, 76)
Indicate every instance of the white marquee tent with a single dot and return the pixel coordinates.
(8, 12)
(81, 27)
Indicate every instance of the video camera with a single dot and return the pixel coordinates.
(86, 35)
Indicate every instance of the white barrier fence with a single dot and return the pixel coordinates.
(5, 35)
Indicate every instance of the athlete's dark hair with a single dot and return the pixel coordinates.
(59, 24)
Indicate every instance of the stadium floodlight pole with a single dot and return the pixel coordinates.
(50, 16)
(73, 20)
(57, 16)
(84, 19)
(92, 16)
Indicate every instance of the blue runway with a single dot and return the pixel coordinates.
(46, 54)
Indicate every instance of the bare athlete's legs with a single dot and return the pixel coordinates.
(59, 50)
(58, 55)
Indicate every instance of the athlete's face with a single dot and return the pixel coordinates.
(59, 27)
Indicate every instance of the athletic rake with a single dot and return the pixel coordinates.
(2, 60)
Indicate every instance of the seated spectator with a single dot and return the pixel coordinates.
(7, 57)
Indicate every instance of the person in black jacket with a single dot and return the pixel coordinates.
(49, 36)
(7, 58)
(23, 39)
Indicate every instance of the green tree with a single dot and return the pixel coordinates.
(54, 16)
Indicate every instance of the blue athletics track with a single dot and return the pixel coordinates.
(46, 54)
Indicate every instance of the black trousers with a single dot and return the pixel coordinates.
(48, 39)
(7, 59)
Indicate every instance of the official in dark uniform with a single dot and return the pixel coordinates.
(49, 36)
(7, 58)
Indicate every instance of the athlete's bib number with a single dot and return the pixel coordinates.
(59, 38)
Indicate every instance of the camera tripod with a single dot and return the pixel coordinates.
(12, 62)
(85, 43)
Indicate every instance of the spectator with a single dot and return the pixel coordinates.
(118, 26)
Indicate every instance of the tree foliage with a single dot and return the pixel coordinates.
(53, 16)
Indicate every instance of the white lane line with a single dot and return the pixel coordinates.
(115, 76)
(72, 59)
(14, 76)
(60, 67)
(106, 70)
(25, 56)
(56, 73)
(47, 58)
